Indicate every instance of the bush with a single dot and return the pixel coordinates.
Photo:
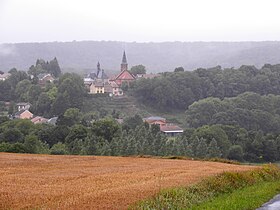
(17, 148)
(5, 147)
(59, 149)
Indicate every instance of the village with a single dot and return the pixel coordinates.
(96, 83)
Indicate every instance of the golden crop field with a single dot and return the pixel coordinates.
(93, 182)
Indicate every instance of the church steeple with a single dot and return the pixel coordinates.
(98, 69)
(124, 65)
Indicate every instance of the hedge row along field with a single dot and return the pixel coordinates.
(229, 190)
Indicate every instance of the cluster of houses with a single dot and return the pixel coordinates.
(43, 78)
(99, 82)
(169, 129)
(24, 113)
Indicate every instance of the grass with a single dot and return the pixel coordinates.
(214, 192)
(220, 160)
(250, 197)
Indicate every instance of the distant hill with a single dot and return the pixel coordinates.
(157, 57)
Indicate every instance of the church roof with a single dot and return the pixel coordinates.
(125, 75)
(103, 75)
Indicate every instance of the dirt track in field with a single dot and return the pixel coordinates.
(75, 182)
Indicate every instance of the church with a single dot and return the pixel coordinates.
(99, 82)
(124, 76)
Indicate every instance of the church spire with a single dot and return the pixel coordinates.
(124, 61)
(98, 69)
(124, 65)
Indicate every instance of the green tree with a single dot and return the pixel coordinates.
(34, 93)
(106, 128)
(72, 116)
(216, 132)
(58, 149)
(201, 150)
(34, 145)
(43, 105)
(54, 68)
(213, 149)
(236, 153)
(138, 69)
(132, 122)
(12, 135)
(179, 69)
(22, 89)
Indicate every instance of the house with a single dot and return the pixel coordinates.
(23, 106)
(167, 128)
(124, 76)
(87, 82)
(155, 120)
(39, 120)
(23, 114)
(99, 83)
(171, 129)
(4, 76)
(97, 87)
(116, 90)
(44, 78)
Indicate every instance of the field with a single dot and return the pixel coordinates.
(90, 182)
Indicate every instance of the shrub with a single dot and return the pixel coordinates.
(59, 149)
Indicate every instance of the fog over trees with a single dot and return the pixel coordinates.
(157, 57)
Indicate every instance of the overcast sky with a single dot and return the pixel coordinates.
(141, 20)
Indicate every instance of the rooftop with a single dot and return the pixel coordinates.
(171, 128)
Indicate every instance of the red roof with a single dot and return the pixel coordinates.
(125, 75)
(39, 119)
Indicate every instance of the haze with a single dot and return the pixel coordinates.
(140, 21)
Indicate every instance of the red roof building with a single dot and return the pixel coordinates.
(155, 120)
(125, 76)
(39, 120)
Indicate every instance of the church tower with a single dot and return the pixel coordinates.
(124, 65)
(98, 69)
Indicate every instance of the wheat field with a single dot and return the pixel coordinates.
(93, 182)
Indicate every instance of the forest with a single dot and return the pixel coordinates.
(230, 114)
(157, 57)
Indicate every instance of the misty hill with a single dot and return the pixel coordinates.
(157, 57)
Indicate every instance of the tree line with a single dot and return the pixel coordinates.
(177, 90)
(224, 119)
(84, 136)
(49, 100)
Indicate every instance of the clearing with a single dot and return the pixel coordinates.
(93, 182)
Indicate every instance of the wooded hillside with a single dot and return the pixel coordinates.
(157, 57)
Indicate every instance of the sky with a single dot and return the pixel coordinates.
(140, 21)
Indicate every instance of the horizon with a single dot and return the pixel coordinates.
(138, 42)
